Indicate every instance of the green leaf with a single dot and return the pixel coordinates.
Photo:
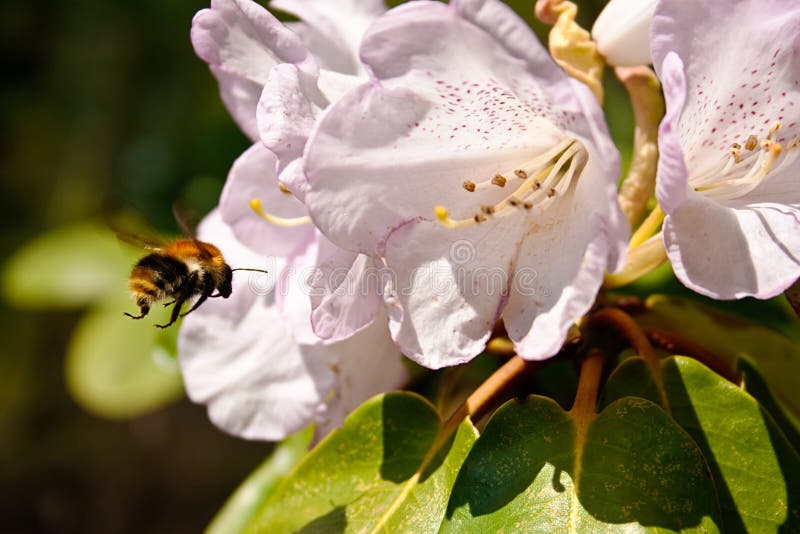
(68, 267)
(756, 386)
(756, 472)
(729, 337)
(389, 468)
(242, 506)
(537, 468)
(119, 368)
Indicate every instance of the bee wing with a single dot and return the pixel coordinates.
(146, 242)
(130, 229)
(180, 213)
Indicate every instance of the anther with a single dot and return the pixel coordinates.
(513, 201)
(521, 174)
(284, 189)
(499, 180)
(255, 205)
(736, 152)
(536, 185)
(751, 143)
(486, 209)
(551, 193)
(777, 125)
(527, 205)
(469, 186)
(479, 218)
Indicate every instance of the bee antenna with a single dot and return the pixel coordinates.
(248, 269)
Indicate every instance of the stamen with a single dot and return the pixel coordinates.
(255, 205)
(541, 186)
(499, 180)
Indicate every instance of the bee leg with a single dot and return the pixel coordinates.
(186, 291)
(166, 304)
(145, 310)
(175, 313)
(201, 300)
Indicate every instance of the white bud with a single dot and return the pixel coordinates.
(622, 32)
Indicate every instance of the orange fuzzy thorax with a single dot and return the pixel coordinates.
(205, 254)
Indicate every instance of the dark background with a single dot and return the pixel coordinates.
(104, 102)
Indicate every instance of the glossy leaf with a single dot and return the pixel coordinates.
(119, 368)
(729, 337)
(537, 468)
(251, 495)
(389, 468)
(756, 386)
(756, 472)
(68, 267)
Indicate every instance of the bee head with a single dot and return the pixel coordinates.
(225, 286)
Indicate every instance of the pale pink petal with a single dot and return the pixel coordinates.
(253, 175)
(559, 270)
(290, 105)
(729, 253)
(448, 289)
(363, 366)
(333, 29)
(241, 41)
(672, 186)
(346, 291)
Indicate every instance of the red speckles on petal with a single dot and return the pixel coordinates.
(500, 114)
(764, 90)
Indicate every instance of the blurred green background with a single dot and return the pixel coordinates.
(105, 104)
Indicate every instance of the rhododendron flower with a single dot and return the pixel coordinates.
(260, 372)
(728, 169)
(467, 119)
(299, 67)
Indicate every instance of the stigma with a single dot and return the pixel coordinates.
(747, 165)
(534, 184)
(255, 205)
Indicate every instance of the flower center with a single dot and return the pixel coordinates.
(745, 167)
(534, 184)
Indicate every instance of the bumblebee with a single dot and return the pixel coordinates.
(178, 271)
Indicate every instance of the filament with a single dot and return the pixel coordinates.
(255, 205)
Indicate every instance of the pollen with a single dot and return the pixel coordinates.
(543, 178)
(255, 205)
(744, 171)
(499, 180)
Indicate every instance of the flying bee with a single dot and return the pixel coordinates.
(177, 271)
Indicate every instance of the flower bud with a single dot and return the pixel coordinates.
(622, 32)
